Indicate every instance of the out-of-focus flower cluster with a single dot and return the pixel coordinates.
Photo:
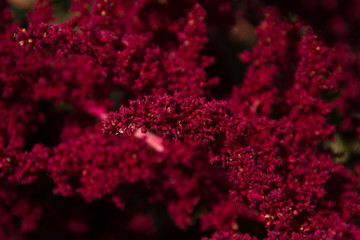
(173, 161)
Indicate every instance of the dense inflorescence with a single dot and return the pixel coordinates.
(112, 126)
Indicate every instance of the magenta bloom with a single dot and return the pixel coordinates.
(122, 120)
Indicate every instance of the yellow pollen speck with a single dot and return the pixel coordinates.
(45, 35)
(267, 216)
(21, 43)
(23, 30)
(103, 13)
(234, 226)
(112, 123)
(30, 40)
(317, 48)
(121, 131)
(191, 22)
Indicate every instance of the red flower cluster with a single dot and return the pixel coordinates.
(174, 161)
